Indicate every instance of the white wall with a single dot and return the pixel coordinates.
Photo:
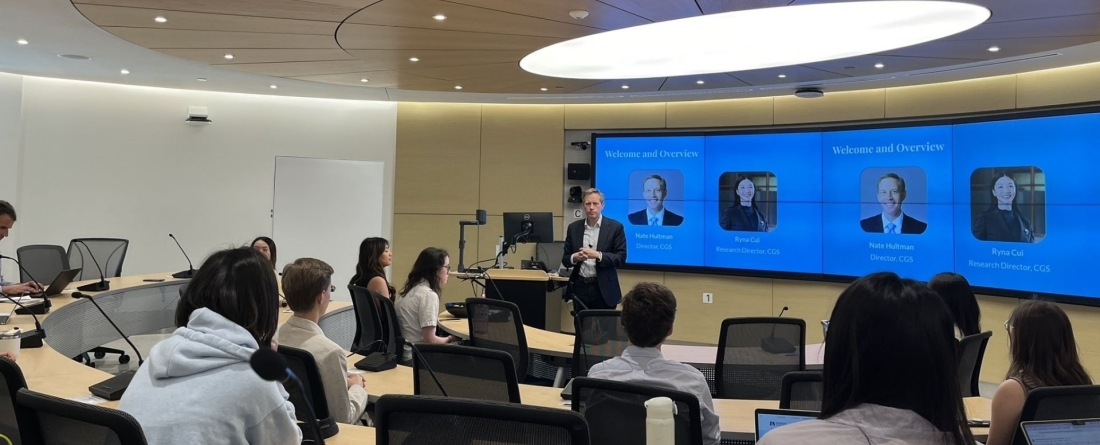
(11, 110)
(103, 160)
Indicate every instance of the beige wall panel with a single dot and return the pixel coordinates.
(438, 158)
(720, 113)
(614, 116)
(522, 154)
(1058, 86)
(834, 107)
(733, 297)
(812, 301)
(967, 96)
(412, 233)
(1086, 330)
(995, 311)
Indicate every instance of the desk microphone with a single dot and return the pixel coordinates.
(190, 272)
(272, 366)
(112, 388)
(776, 345)
(424, 362)
(102, 285)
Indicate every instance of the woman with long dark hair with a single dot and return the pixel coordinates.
(229, 310)
(960, 300)
(266, 247)
(418, 307)
(370, 271)
(890, 370)
(1002, 221)
(744, 216)
(1042, 352)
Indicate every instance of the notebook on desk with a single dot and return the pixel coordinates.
(1062, 432)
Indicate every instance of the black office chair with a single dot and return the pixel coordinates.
(428, 420)
(305, 367)
(472, 373)
(11, 381)
(49, 420)
(754, 353)
(110, 253)
(599, 336)
(44, 261)
(390, 326)
(971, 352)
(802, 390)
(368, 329)
(616, 412)
(497, 324)
(1059, 403)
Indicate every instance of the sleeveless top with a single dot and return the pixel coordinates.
(1024, 382)
(365, 279)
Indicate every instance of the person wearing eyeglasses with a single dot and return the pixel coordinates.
(418, 307)
(307, 283)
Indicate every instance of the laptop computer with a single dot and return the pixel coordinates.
(59, 284)
(770, 419)
(1062, 432)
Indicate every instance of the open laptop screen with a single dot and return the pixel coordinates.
(770, 419)
(1063, 432)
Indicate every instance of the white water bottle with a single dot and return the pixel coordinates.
(660, 423)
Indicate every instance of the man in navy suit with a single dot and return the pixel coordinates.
(891, 193)
(594, 248)
(654, 190)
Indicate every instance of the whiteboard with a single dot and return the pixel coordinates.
(323, 209)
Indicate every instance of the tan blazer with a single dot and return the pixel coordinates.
(345, 405)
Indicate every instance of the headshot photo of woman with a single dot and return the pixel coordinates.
(1003, 221)
(744, 215)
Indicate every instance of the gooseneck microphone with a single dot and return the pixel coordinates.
(190, 272)
(31, 339)
(102, 285)
(45, 305)
(777, 345)
(424, 362)
(272, 366)
(114, 387)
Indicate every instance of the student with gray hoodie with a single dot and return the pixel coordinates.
(198, 386)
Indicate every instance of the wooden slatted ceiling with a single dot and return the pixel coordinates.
(481, 42)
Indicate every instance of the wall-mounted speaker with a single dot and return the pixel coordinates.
(579, 172)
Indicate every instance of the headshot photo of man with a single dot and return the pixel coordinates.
(654, 191)
(891, 195)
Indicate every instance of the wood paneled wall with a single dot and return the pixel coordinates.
(454, 158)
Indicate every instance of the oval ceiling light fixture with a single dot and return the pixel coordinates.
(732, 41)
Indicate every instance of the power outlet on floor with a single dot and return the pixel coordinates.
(708, 297)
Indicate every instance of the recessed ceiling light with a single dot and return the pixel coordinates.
(439, 17)
(726, 42)
(626, 87)
(543, 89)
(274, 87)
(160, 19)
(879, 65)
(699, 82)
(364, 80)
(228, 57)
(74, 57)
(414, 59)
(994, 49)
(458, 87)
(22, 41)
(782, 76)
(201, 79)
(125, 71)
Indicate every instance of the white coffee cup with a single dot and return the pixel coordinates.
(10, 345)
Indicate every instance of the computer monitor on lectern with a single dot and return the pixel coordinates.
(528, 227)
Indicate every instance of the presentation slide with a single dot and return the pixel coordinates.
(1027, 203)
(654, 186)
(750, 221)
(1010, 204)
(887, 201)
